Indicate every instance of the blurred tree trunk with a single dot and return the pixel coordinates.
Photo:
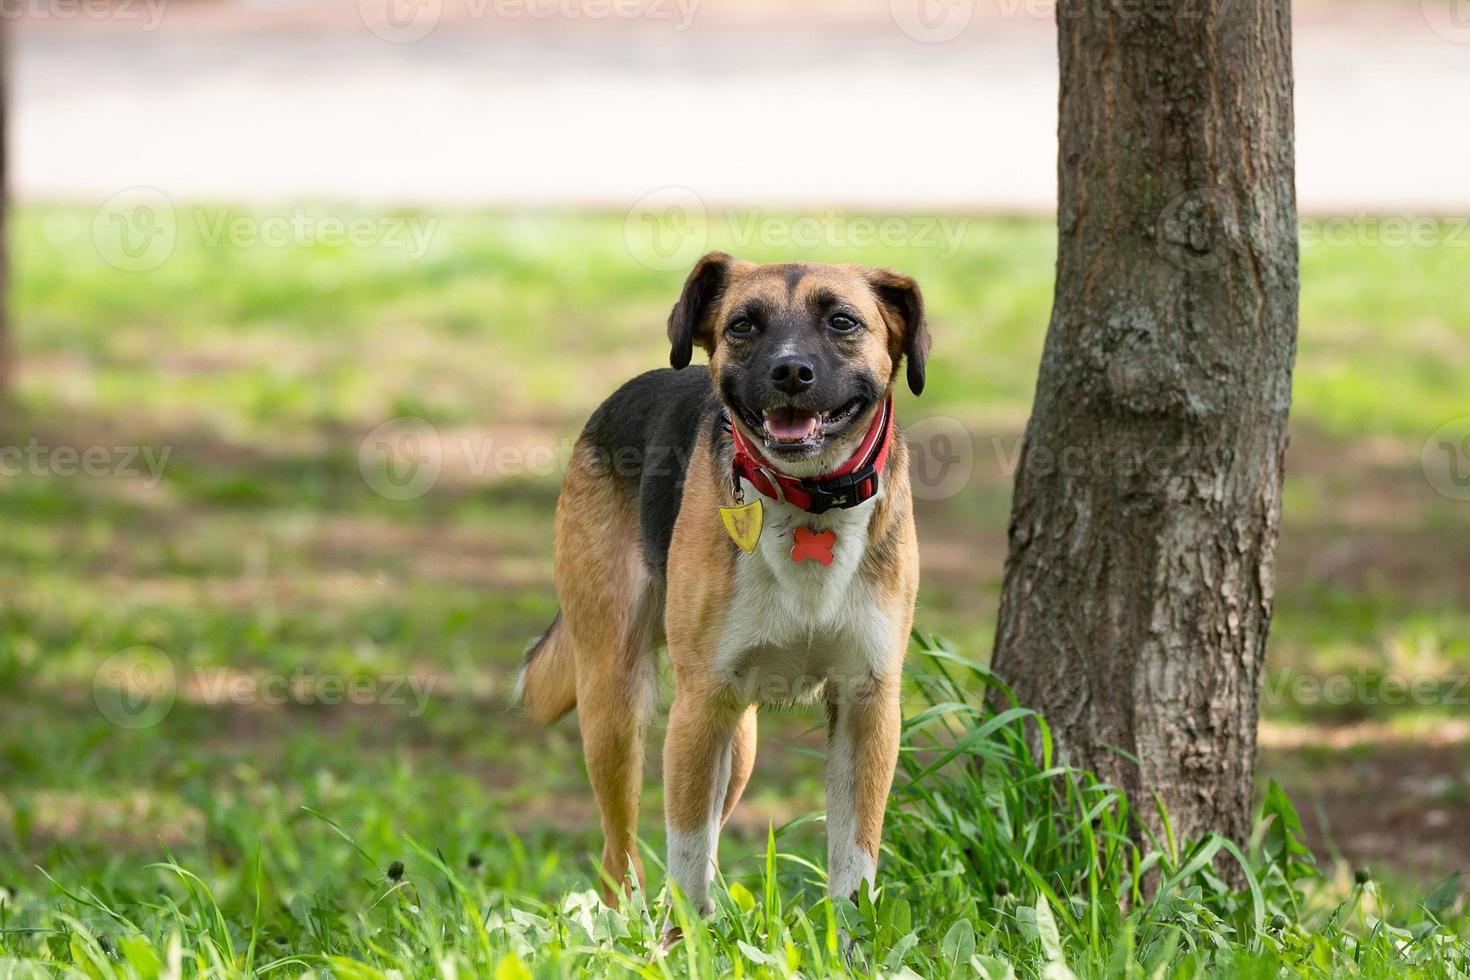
(6, 367)
(1138, 587)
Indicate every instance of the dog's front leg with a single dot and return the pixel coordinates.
(862, 752)
(698, 752)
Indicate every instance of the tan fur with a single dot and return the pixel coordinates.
(701, 562)
(549, 680)
(743, 763)
(891, 567)
(612, 617)
(609, 621)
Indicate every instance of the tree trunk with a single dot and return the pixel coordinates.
(5, 350)
(1138, 587)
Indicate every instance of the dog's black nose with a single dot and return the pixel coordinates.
(793, 375)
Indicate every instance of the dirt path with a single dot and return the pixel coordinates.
(480, 102)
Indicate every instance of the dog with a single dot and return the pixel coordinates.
(757, 519)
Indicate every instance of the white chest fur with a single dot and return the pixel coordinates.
(791, 625)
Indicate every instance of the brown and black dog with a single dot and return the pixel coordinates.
(757, 518)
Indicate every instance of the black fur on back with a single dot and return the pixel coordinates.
(645, 435)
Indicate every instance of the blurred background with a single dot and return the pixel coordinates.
(310, 299)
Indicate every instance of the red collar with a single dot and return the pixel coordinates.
(852, 483)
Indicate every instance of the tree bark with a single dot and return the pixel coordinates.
(1138, 586)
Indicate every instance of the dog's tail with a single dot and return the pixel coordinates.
(548, 681)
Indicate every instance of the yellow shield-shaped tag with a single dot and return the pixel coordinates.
(744, 524)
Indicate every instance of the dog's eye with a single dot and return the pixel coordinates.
(842, 323)
(741, 327)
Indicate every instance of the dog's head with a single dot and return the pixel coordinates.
(802, 355)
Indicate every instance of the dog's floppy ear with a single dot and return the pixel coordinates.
(689, 320)
(903, 306)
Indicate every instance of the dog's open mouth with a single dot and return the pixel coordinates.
(790, 428)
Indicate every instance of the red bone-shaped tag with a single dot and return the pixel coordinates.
(816, 545)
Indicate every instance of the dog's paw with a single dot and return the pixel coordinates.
(671, 936)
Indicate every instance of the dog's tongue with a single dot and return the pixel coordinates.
(791, 425)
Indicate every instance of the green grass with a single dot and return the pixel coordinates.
(997, 864)
(262, 552)
(258, 335)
